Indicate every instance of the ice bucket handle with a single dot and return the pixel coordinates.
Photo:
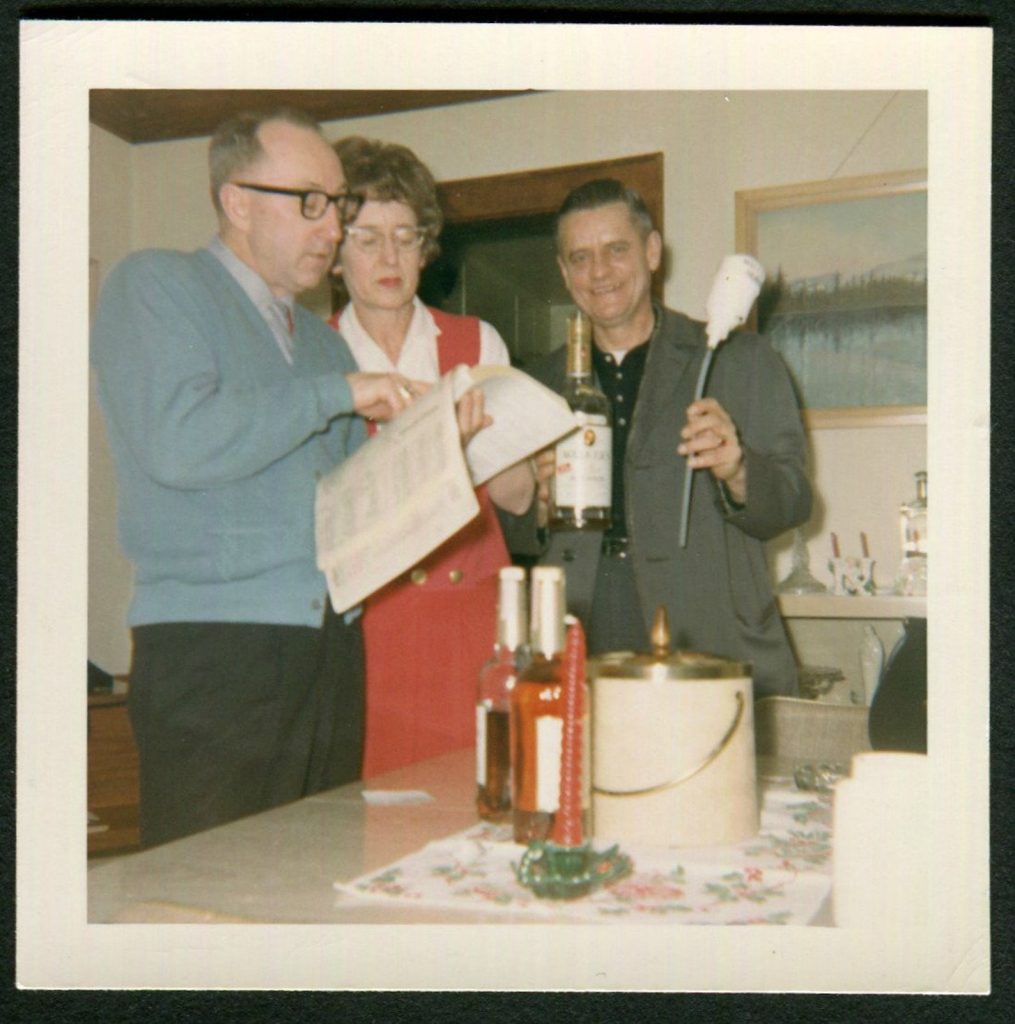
(709, 758)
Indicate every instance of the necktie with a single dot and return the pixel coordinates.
(282, 327)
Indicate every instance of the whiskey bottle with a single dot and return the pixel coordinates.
(537, 713)
(581, 489)
(496, 681)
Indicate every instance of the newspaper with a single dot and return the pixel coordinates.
(411, 486)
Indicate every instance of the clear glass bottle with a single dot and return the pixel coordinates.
(582, 482)
(493, 705)
(912, 579)
(537, 713)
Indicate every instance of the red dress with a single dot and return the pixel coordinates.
(429, 631)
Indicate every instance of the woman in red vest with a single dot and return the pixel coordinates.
(428, 632)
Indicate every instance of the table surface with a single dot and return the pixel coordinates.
(281, 865)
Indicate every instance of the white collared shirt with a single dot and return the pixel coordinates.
(418, 358)
(259, 294)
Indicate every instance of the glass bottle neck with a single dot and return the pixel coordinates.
(579, 361)
(546, 633)
(579, 346)
(506, 652)
(511, 626)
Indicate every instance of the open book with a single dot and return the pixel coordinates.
(411, 486)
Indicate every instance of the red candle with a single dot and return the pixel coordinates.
(567, 825)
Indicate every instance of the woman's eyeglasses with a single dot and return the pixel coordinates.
(370, 240)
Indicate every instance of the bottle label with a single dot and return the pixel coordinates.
(549, 729)
(480, 745)
(585, 465)
(914, 533)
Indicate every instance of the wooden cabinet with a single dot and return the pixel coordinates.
(112, 776)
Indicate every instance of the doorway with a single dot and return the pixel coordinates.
(505, 272)
(498, 259)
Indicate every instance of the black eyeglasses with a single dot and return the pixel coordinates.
(313, 202)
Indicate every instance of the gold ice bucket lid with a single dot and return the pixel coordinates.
(664, 664)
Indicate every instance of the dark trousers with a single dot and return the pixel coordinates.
(615, 621)
(233, 718)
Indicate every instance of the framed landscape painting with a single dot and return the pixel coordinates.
(845, 293)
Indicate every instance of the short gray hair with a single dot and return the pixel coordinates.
(603, 192)
(235, 145)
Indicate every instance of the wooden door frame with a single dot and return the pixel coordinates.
(541, 191)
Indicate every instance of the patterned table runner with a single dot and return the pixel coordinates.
(780, 876)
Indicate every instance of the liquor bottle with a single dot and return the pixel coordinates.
(493, 706)
(580, 494)
(912, 578)
(537, 714)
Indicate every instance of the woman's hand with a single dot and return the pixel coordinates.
(382, 396)
(471, 417)
(511, 489)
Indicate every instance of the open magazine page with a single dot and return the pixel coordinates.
(524, 413)
(410, 487)
(400, 496)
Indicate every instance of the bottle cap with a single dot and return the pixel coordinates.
(512, 628)
(546, 621)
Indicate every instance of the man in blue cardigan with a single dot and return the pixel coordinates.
(225, 402)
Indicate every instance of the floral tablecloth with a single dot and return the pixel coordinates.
(780, 876)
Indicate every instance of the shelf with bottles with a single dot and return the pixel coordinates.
(834, 606)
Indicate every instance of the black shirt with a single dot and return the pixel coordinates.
(620, 383)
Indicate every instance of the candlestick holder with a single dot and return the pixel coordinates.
(559, 872)
(565, 866)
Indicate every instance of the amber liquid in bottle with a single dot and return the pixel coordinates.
(583, 476)
(497, 679)
(537, 714)
(493, 785)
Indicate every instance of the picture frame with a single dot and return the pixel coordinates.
(845, 295)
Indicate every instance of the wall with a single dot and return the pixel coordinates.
(713, 144)
(110, 577)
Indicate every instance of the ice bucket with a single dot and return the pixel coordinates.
(672, 747)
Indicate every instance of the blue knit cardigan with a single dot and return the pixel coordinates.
(218, 442)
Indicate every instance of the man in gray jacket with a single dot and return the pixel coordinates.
(745, 434)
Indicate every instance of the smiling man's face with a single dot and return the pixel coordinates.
(608, 264)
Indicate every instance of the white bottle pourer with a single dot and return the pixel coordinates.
(736, 285)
